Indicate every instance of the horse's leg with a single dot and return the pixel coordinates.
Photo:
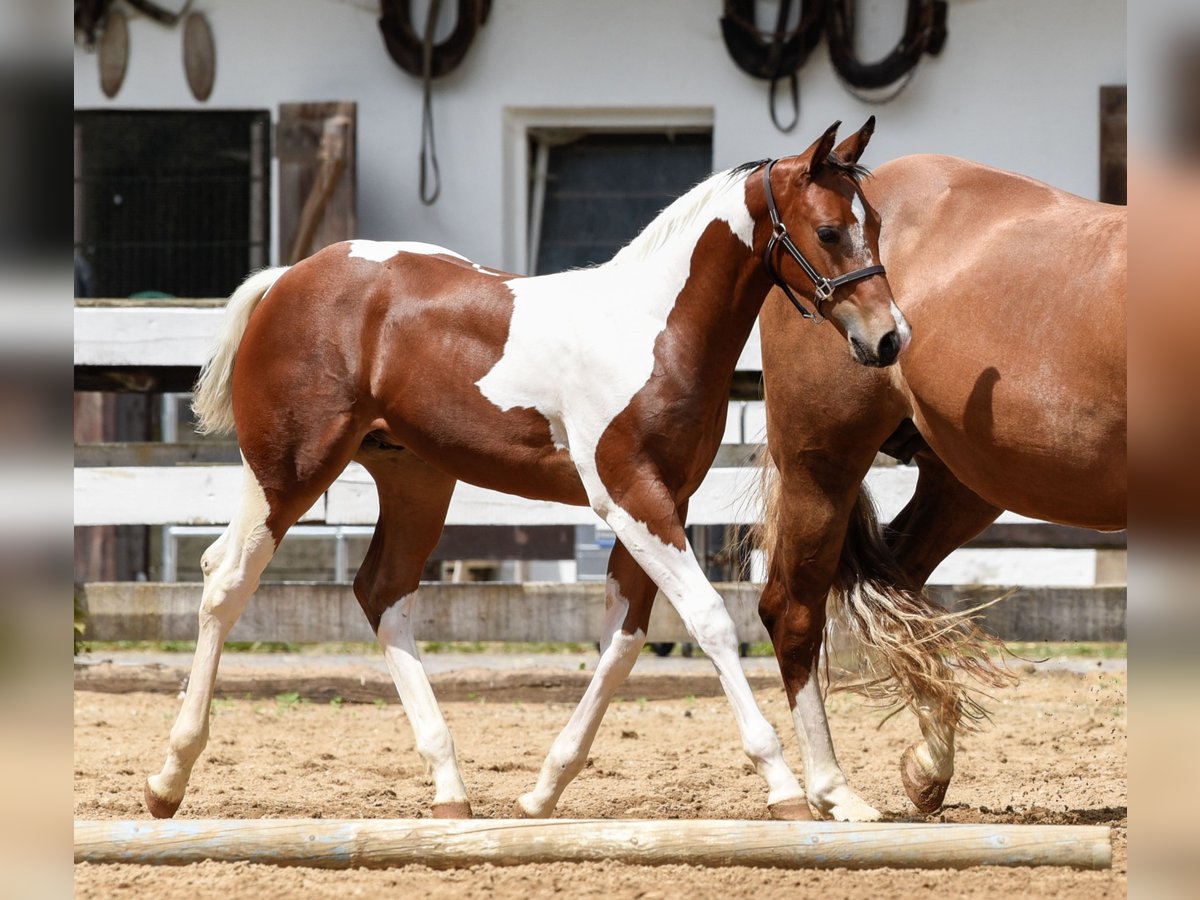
(413, 499)
(942, 515)
(810, 517)
(232, 567)
(628, 598)
(661, 549)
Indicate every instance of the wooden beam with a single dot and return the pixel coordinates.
(315, 612)
(346, 843)
(156, 454)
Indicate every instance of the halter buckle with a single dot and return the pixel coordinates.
(823, 291)
(779, 230)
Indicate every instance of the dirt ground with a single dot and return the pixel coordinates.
(1055, 754)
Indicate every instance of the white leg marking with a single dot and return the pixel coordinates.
(568, 754)
(678, 575)
(828, 791)
(434, 742)
(233, 565)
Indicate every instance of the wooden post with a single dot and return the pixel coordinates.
(345, 843)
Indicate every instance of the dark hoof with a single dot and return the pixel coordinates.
(458, 810)
(794, 810)
(926, 794)
(159, 808)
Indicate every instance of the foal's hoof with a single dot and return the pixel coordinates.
(926, 793)
(794, 810)
(458, 809)
(158, 807)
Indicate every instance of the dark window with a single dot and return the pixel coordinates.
(602, 189)
(174, 203)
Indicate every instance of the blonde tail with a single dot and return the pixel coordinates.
(212, 399)
(910, 647)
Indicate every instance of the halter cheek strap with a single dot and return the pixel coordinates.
(823, 287)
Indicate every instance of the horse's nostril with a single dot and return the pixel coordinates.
(889, 348)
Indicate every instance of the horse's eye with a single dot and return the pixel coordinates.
(828, 235)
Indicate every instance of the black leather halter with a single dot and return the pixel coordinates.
(823, 287)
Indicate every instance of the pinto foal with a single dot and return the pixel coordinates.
(605, 386)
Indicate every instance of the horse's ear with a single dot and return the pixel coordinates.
(851, 149)
(819, 152)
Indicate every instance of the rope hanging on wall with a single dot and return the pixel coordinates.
(924, 32)
(776, 54)
(417, 54)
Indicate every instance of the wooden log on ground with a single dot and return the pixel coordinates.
(345, 843)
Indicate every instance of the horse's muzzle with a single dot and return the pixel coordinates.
(880, 356)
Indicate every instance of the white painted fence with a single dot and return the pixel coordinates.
(149, 335)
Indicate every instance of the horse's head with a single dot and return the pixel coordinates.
(824, 245)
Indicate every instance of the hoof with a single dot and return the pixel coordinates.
(794, 810)
(459, 809)
(518, 811)
(158, 807)
(851, 808)
(926, 794)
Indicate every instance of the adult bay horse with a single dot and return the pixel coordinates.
(1014, 398)
(605, 387)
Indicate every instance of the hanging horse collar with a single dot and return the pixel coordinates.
(823, 287)
(418, 55)
(406, 45)
(924, 32)
(773, 55)
(777, 54)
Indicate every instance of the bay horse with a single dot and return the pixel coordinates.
(605, 386)
(1014, 398)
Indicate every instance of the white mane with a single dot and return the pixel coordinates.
(679, 215)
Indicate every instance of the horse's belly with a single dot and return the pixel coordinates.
(1081, 484)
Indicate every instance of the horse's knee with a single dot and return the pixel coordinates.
(214, 555)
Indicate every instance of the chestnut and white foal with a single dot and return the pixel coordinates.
(605, 386)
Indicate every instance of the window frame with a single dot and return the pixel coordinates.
(523, 124)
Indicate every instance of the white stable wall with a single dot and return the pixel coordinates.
(1016, 86)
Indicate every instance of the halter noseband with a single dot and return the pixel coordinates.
(823, 287)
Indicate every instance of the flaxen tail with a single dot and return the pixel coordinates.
(212, 399)
(910, 646)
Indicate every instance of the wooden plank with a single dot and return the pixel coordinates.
(137, 379)
(1047, 534)
(137, 495)
(156, 454)
(144, 335)
(346, 843)
(318, 180)
(117, 332)
(491, 611)
(725, 497)
(186, 495)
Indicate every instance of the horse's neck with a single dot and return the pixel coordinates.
(719, 287)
